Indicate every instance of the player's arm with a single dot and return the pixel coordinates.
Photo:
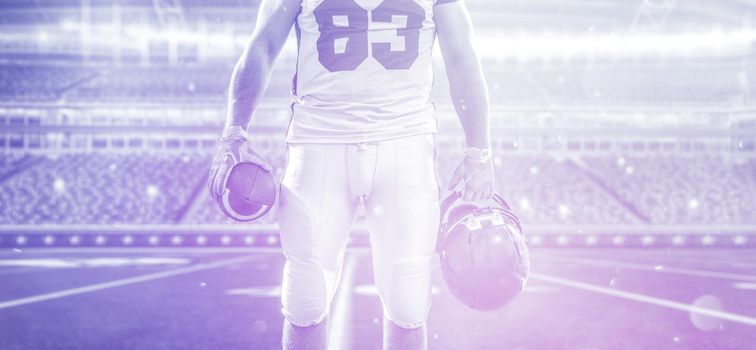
(252, 72)
(248, 82)
(469, 95)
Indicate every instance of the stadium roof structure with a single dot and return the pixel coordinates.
(528, 15)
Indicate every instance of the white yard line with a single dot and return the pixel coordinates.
(124, 282)
(18, 270)
(707, 260)
(660, 268)
(339, 328)
(738, 318)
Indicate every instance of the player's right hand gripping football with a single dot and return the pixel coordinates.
(234, 148)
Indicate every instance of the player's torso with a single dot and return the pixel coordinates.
(363, 63)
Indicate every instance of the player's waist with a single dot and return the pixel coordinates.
(300, 135)
(358, 114)
(339, 126)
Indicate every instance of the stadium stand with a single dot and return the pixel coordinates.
(154, 188)
(9, 162)
(36, 82)
(155, 84)
(101, 189)
(674, 189)
(633, 84)
(532, 86)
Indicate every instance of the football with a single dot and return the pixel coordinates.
(249, 193)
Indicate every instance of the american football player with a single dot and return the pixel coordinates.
(361, 129)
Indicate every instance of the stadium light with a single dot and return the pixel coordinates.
(554, 45)
(69, 25)
(147, 33)
(524, 203)
(59, 185)
(152, 191)
(42, 36)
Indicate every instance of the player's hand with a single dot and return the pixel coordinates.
(233, 149)
(478, 177)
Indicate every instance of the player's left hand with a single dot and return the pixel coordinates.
(478, 178)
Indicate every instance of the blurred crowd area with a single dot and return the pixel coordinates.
(170, 188)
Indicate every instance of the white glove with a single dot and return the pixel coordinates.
(234, 148)
(476, 171)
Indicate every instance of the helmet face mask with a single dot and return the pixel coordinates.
(484, 258)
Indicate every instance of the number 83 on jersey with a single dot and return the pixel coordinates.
(350, 33)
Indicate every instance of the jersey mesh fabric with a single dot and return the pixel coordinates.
(370, 102)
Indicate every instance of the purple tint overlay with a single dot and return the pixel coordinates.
(415, 15)
(355, 33)
(107, 187)
(168, 311)
(249, 193)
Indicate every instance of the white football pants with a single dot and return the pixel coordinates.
(320, 191)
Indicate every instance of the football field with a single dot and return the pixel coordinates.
(155, 153)
(228, 298)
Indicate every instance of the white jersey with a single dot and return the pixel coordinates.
(364, 71)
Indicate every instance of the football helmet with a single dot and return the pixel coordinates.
(484, 257)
